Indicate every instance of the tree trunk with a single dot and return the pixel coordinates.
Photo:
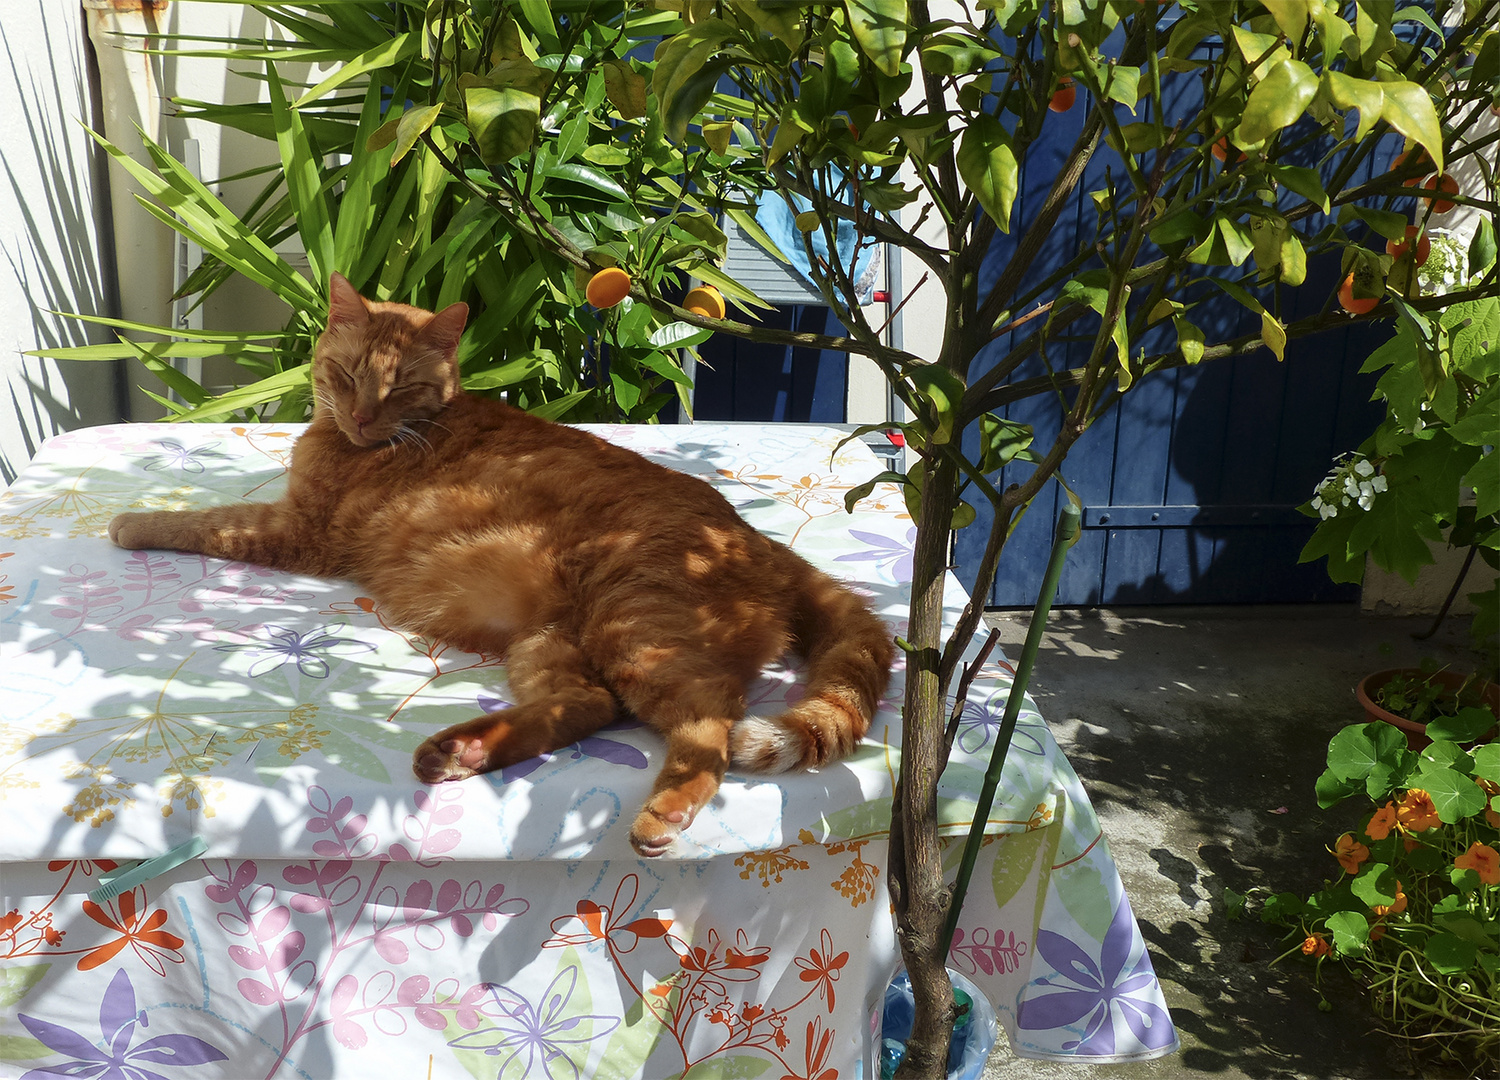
(916, 867)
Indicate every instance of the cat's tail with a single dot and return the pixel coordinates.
(849, 651)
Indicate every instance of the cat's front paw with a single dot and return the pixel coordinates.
(134, 531)
(657, 827)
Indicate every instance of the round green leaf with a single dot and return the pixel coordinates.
(1455, 795)
(1351, 932)
(1449, 953)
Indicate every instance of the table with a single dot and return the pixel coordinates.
(346, 920)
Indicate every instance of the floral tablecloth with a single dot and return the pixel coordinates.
(347, 921)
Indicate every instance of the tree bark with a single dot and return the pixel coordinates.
(916, 866)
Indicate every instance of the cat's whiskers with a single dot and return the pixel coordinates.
(408, 434)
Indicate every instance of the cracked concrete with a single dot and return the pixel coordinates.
(1198, 733)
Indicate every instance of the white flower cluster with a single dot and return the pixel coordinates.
(1352, 481)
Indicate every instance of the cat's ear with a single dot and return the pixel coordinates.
(444, 329)
(345, 306)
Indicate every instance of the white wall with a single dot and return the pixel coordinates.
(56, 214)
(49, 237)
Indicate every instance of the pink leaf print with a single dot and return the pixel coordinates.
(391, 948)
(257, 992)
(298, 875)
(418, 900)
(308, 905)
(274, 922)
(287, 951)
(462, 926)
(346, 1031)
(449, 893)
(413, 990)
(441, 841)
(246, 958)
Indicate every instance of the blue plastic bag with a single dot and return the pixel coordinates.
(973, 1035)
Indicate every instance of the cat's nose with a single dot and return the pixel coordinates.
(360, 419)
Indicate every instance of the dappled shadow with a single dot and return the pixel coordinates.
(1199, 735)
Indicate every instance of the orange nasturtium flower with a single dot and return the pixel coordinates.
(1416, 812)
(1350, 853)
(1382, 822)
(1316, 945)
(1483, 860)
(1395, 907)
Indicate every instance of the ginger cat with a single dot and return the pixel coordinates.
(606, 581)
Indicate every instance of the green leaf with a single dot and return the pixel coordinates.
(1276, 102)
(1376, 884)
(679, 335)
(410, 127)
(1305, 182)
(504, 121)
(879, 28)
(555, 410)
(987, 163)
(1482, 247)
(1273, 334)
(1466, 726)
(1487, 762)
(1290, 16)
(1000, 441)
(1358, 748)
(862, 491)
(387, 54)
(942, 389)
(1449, 953)
(1408, 108)
(23, 1048)
(1351, 932)
(1331, 788)
(626, 89)
(510, 373)
(16, 981)
(1190, 339)
(1387, 223)
(1455, 795)
(1348, 92)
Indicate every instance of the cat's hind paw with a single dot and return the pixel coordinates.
(657, 827)
(440, 759)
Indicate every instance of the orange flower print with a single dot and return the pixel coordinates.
(1316, 945)
(1483, 860)
(151, 943)
(1416, 812)
(1350, 853)
(1383, 821)
(819, 1048)
(822, 967)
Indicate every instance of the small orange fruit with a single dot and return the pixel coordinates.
(1399, 248)
(608, 287)
(1448, 186)
(1064, 96)
(705, 300)
(1221, 148)
(1352, 304)
(1421, 158)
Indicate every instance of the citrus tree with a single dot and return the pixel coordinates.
(506, 153)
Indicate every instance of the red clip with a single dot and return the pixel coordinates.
(881, 297)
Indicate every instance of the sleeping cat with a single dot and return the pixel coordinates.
(609, 583)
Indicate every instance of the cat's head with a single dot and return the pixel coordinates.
(379, 369)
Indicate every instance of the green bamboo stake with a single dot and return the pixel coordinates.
(1068, 524)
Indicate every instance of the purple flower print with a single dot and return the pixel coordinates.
(533, 1038)
(883, 549)
(120, 1061)
(289, 647)
(1097, 992)
(979, 724)
(176, 457)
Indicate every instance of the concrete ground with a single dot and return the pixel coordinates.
(1199, 733)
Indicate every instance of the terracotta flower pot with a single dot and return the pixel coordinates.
(1416, 734)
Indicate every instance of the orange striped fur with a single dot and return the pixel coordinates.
(610, 584)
